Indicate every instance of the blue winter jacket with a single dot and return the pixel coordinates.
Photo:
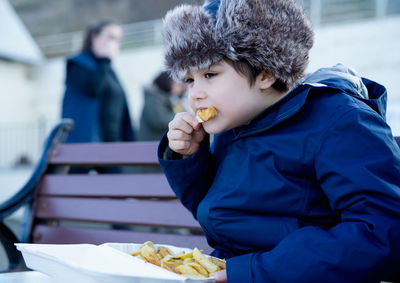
(307, 192)
(85, 84)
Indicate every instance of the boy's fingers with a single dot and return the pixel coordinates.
(185, 134)
(183, 121)
(178, 135)
(180, 125)
(190, 119)
(179, 145)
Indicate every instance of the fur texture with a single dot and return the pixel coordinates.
(272, 35)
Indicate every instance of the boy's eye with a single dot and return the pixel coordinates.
(188, 80)
(209, 75)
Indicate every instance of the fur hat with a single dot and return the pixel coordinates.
(272, 35)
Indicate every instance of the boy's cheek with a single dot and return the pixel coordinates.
(213, 128)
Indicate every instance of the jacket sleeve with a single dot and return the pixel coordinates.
(191, 177)
(357, 165)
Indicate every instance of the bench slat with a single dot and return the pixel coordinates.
(131, 211)
(128, 185)
(115, 153)
(70, 235)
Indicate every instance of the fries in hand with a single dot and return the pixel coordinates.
(206, 114)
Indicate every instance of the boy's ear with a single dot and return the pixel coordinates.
(265, 80)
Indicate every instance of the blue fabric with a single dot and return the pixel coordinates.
(85, 82)
(212, 7)
(307, 192)
(78, 104)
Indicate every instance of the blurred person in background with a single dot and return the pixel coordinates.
(162, 100)
(94, 98)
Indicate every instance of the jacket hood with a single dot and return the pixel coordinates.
(349, 81)
(338, 78)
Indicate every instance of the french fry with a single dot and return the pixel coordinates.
(193, 264)
(169, 265)
(163, 252)
(206, 114)
(218, 262)
(204, 261)
(150, 254)
(136, 253)
(148, 243)
(182, 255)
(200, 269)
(188, 271)
(172, 263)
(178, 255)
(189, 259)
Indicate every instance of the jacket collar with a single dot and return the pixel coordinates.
(338, 78)
(280, 111)
(87, 60)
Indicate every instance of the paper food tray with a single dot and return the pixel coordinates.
(127, 249)
(108, 262)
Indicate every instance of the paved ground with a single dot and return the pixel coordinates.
(11, 180)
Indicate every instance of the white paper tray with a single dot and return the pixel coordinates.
(108, 262)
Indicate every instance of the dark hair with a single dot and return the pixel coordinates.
(92, 30)
(163, 81)
(244, 68)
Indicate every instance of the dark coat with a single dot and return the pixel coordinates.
(307, 192)
(157, 112)
(96, 101)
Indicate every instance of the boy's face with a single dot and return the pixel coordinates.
(221, 86)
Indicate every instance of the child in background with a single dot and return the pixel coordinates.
(162, 100)
(301, 180)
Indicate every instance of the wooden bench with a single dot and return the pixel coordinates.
(130, 207)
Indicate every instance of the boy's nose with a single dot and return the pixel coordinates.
(197, 93)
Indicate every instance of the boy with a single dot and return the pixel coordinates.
(301, 181)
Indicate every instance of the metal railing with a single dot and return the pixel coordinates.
(321, 12)
(324, 12)
(21, 143)
(135, 35)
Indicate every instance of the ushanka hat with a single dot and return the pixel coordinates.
(272, 35)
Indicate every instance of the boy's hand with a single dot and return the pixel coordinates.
(220, 276)
(185, 134)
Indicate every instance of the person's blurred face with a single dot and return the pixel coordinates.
(107, 43)
(178, 89)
